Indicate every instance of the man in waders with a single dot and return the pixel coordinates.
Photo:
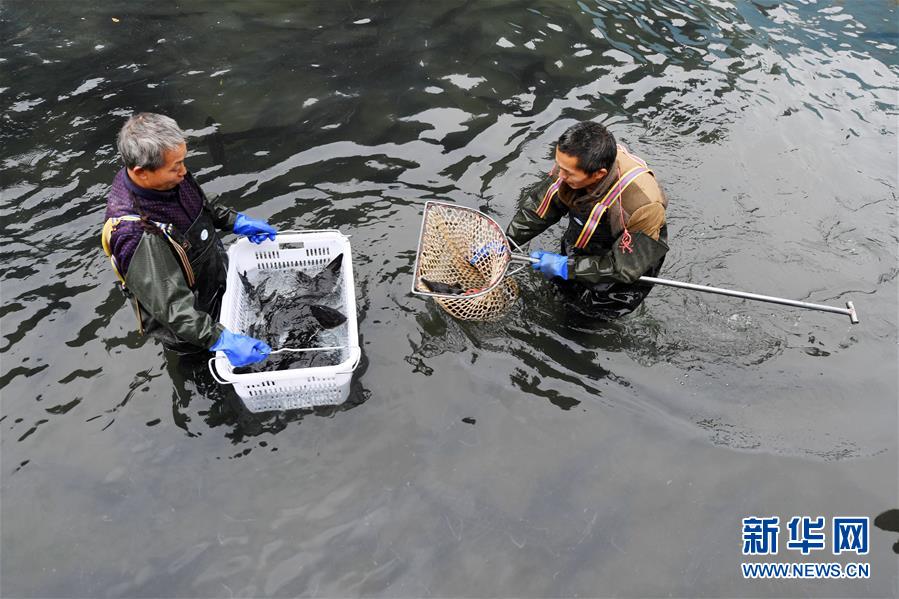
(616, 229)
(160, 235)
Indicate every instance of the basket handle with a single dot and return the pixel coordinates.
(310, 231)
(221, 381)
(214, 374)
(292, 349)
(355, 364)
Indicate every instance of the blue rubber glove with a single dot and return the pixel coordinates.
(492, 247)
(551, 265)
(257, 230)
(240, 349)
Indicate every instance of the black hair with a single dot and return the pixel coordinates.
(592, 144)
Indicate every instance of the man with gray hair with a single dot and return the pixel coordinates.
(160, 235)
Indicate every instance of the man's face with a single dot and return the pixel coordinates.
(573, 175)
(167, 176)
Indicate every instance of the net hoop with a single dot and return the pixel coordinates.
(466, 255)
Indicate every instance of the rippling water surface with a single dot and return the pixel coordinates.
(536, 456)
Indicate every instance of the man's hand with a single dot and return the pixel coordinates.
(257, 230)
(240, 349)
(551, 265)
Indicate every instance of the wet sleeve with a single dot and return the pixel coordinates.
(222, 216)
(157, 281)
(527, 224)
(619, 266)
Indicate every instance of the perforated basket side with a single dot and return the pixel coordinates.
(297, 393)
(310, 257)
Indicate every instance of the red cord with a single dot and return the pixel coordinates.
(625, 244)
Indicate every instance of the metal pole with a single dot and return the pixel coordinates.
(849, 310)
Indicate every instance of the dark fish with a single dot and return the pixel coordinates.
(327, 317)
(287, 310)
(438, 287)
(325, 282)
(297, 326)
(292, 323)
(298, 284)
(303, 280)
(247, 286)
(298, 322)
(268, 289)
(290, 360)
(253, 306)
(264, 296)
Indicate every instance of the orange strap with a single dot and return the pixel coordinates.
(543, 208)
(600, 208)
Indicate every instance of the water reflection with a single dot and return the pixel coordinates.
(194, 387)
(377, 139)
(889, 520)
(772, 128)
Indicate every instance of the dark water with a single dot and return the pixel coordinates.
(531, 457)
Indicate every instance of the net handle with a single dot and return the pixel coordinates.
(522, 258)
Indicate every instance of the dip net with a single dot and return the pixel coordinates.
(462, 262)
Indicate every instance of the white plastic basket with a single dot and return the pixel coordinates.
(308, 251)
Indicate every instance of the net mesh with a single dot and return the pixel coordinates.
(462, 260)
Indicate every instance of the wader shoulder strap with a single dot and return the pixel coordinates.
(611, 196)
(109, 228)
(543, 208)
